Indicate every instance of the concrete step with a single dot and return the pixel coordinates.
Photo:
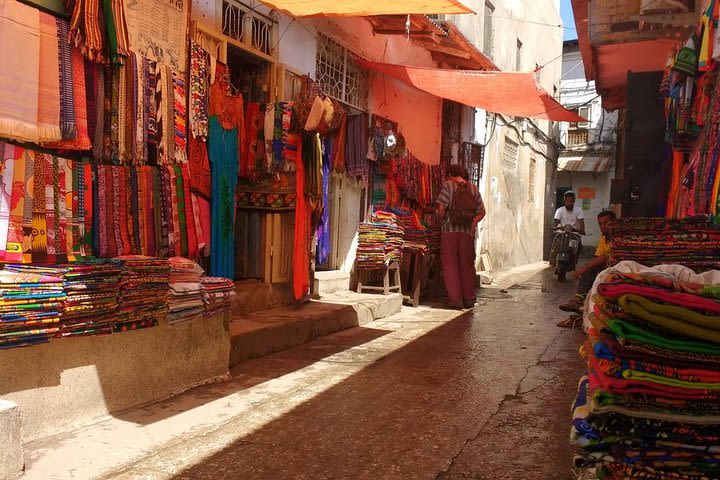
(261, 333)
(330, 282)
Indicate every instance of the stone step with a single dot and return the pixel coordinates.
(330, 282)
(262, 333)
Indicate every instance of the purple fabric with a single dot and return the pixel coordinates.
(457, 252)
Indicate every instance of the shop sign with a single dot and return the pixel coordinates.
(586, 192)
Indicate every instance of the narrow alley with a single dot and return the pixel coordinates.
(426, 394)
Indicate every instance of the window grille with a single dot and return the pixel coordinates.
(241, 23)
(577, 137)
(510, 154)
(472, 157)
(340, 76)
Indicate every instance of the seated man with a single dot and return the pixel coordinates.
(586, 274)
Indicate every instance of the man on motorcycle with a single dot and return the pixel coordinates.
(568, 214)
(586, 274)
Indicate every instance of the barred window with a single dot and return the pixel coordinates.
(510, 154)
(338, 73)
(240, 22)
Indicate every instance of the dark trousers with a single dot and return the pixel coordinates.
(586, 280)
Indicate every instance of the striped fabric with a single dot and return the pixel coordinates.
(445, 199)
(68, 125)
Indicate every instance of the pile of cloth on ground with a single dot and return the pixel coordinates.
(185, 296)
(144, 283)
(91, 293)
(380, 241)
(30, 308)
(693, 242)
(649, 406)
(217, 294)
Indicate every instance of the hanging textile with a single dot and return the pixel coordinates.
(19, 71)
(199, 90)
(180, 117)
(323, 231)
(14, 250)
(81, 140)
(86, 29)
(251, 166)
(356, 161)
(223, 145)
(8, 164)
(68, 124)
(301, 240)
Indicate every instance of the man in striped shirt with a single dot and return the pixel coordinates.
(457, 246)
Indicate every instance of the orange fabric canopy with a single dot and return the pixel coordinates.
(507, 93)
(363, 8)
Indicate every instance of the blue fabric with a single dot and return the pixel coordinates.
(223, 151)
(323, 231)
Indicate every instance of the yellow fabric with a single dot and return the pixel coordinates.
(362, 8)
(603, 248)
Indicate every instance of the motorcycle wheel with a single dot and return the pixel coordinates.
(562, 272)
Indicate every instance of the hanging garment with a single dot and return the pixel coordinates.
(8, 164)
(199, 90)
(49, 88)
(201, 182)
(14, 250)
(223, 145)
(356, 147)
(86, 29)
(323, 232)
(19, 71)
(252, 163)
(68, 123)
(180, 117)
(81, 140)
(301, 241)
(228, 109)
(192, 240)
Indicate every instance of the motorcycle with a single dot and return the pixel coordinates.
(567, 244)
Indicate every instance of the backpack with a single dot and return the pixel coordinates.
(463, 206)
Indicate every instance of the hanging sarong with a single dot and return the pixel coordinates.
(81, 140)
(180, 118)
(19, 71)
(8, 164)
(68, 123)
(49, 88)
(14, 250)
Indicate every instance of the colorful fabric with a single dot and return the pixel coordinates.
(199, 90)
(68, 125)
(222, 148)
(48, 117)
(86, 30)
(19, 71)
(81, 139)
(180, 118)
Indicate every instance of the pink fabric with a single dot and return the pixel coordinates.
(457, 252)
(205, 216)
(687, 300)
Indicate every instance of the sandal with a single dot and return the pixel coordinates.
(571, 322)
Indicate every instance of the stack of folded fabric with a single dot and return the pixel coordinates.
(415, 235)
(144, 284)
(91, 289)
(650, 404)
(693, 242)
(30, 308)
(185, 297)
(379, 244)
(217, 294)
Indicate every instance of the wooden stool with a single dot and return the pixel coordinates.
(413, 275)
(363, 280)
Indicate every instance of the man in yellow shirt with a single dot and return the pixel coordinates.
(586, 274)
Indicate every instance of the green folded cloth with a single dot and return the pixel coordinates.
(674, 318)
(624, 329)
(671, 382)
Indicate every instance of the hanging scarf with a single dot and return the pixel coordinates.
(301, 240)
(14, 250)
(8, 164)
(49, 88)
(150, 115)
(86, 29)
(52, 219)
(199, 90)
(255, 124)
(38, 252)
(134, 214)
(68, 125)
(81, 140)
(19, 71)
(162, 119)
(192, 239)
(290, 141)
(180, 115)
(27, 222)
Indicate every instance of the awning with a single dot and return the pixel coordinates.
(507, 93)
(447, 44)
(585, 164)
(363, 8)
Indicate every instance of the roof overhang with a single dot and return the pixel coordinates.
(448, 46)
(592, 164)
(363, 8)
(634, 39)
